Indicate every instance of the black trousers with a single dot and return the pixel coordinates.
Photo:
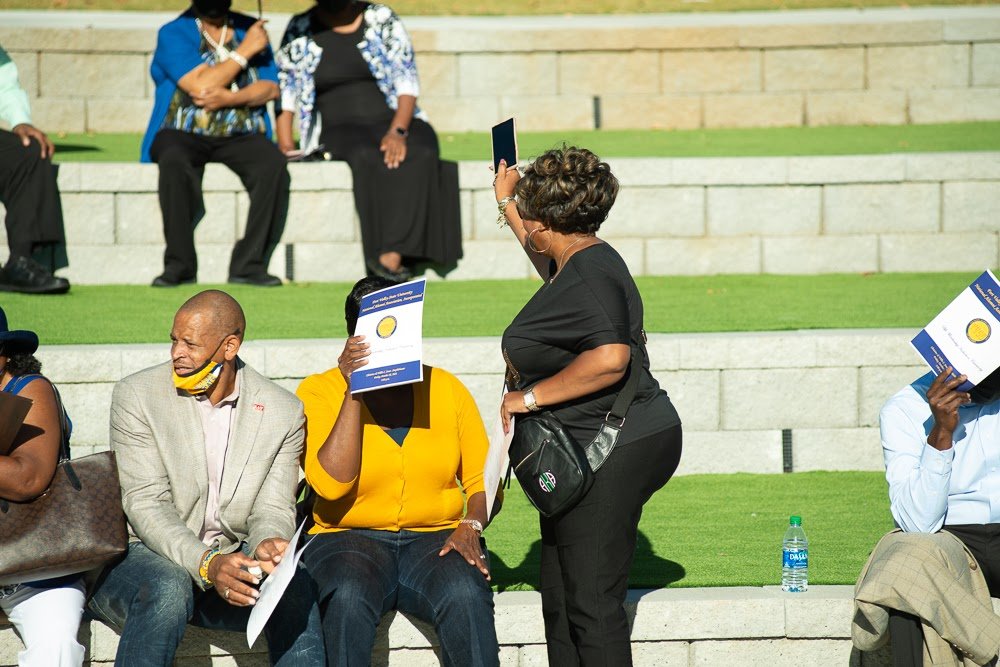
(905, 632)
(30, 193)
(262, 168)
(587, 553)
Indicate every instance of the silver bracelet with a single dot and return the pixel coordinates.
(502, 207)
(474, 523)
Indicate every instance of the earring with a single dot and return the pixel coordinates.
(531, 244)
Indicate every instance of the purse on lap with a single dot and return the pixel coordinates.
(554, 470)
(76, 525)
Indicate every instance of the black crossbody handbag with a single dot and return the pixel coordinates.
(554, 470)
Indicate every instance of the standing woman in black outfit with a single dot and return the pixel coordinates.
(347, 67)
(568, 351)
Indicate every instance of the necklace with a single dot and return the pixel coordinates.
(559, 263)
(219, 47)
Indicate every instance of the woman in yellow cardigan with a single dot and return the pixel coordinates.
(394, 469)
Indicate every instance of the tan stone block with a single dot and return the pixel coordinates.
(814, 69)
(820, 254)
(891, 32)
(774, 34)
(872, 208)
(917, 67)
(56, 114)
(711, 71)
(462, 114)
(513, 74)
(760, 110)
(865, 107)
(92, 75)
(971, 207)
(540, 113)
(657, 212)
(218, 226)
(121, 115)
(657, 112)
(937, 252)
(139, 220)
(767, 210)
(25, 38)
(957, 105)
(438, 74)
(703, 256)
(986, 64)
(977, 29)
(27, 70)
(593, 73)
(89, 218)
(130, 40)
(700, 37)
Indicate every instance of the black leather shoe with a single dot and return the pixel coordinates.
(377, 268)
(167, 280)
(258, 280)
(23, 274)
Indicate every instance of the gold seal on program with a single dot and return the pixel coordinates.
(387, 326)
(978, 331)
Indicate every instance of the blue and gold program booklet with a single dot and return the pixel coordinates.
(966, 334)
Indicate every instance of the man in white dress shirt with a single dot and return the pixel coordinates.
(942, 456)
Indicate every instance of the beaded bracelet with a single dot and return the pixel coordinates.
(205, 562)
(502, 207)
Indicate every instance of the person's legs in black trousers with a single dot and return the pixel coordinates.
(30, 193)
(587, 553)
(264, 172)
(181, 157)
(905, 632)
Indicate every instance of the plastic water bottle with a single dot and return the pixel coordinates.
(795, 558)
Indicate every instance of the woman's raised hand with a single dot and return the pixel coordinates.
(505, 180)
(354, 356)
(255, 40)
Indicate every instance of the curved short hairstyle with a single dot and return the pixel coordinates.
(352, 307)
(569, 190)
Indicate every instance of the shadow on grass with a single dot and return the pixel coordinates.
(648, 569)
(76, 148)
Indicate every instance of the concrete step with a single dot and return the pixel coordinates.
(673, 216)
(697, 626)
(689, 70)
(731, 390)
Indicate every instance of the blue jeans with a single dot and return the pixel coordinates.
(151, 600)
(362, 574)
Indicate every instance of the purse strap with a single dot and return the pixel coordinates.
(620, 408)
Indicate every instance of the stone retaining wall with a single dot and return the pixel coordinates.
(89, 71)
(695, 216)
(678, 627)
(736, 393)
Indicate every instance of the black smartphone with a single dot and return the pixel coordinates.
(504, 144)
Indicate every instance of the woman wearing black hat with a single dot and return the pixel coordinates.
(45, 613)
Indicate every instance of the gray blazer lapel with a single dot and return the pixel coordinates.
(246, 424)
(184, 410)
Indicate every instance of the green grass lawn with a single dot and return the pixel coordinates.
(509, 7)
(140, 314)
(846, 140)
(722, 530)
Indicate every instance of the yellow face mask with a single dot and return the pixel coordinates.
(202, 378)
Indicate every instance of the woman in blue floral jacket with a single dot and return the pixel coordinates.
(347, 67)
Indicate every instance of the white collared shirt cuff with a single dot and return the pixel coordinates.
(936, 461)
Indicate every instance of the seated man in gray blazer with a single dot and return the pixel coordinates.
(208, 453)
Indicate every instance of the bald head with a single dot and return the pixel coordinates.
(219, 314)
